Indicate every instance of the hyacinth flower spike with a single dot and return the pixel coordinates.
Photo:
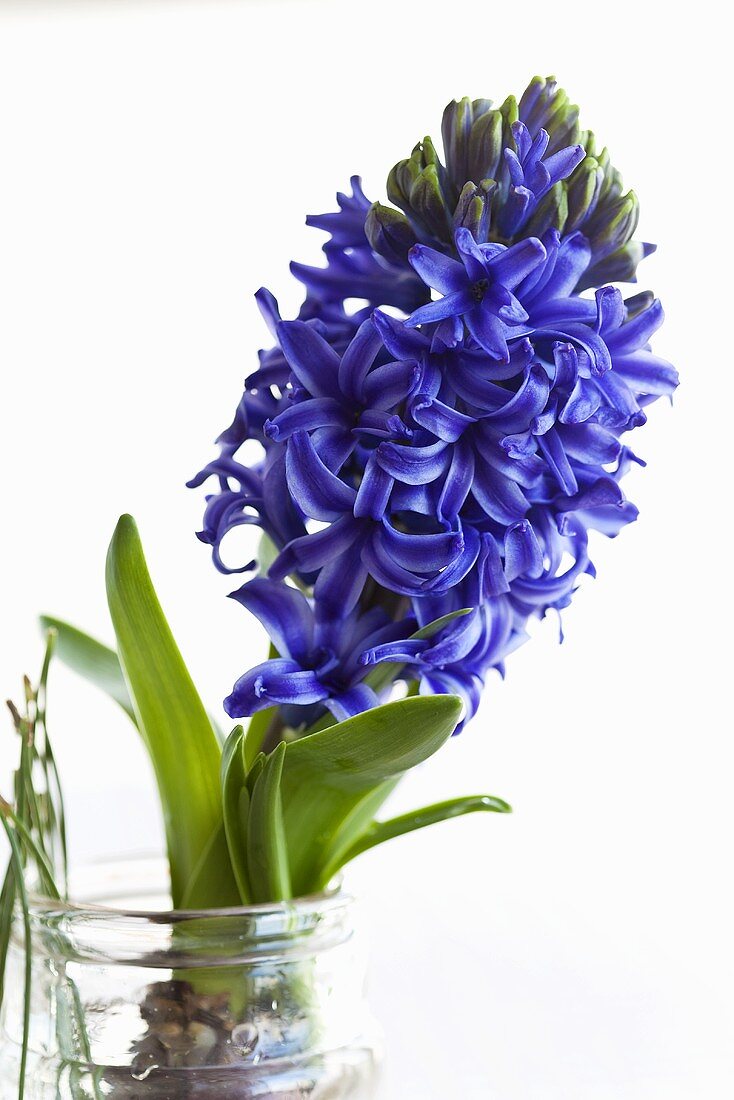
(440, 430)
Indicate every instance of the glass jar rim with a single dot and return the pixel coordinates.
(94, 931)
(333, 896)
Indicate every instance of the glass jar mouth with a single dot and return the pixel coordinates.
(104, 923)
(146, 875)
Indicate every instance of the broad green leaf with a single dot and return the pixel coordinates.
(267, 855)
(98, 664)
(255, 771)
(255, 734)
(335, 780)
(204, 888)
(234, 778)
(91, 659)
(183, 747)
(380, 831)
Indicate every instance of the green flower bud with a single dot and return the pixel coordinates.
(582, 190)
(484, 151)
(551, 212)
(427, 203)
(389, 232)
(618, 267)
(613, 224)
(510, 113)
(456, 127)
(473, 209)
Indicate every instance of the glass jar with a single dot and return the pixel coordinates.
(130, 1002)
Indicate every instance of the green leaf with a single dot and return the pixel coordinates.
(91, 659)
(183, 747)
(17, 865)
(98, 664)
(257, 730)
(255, 771)
(236, 800)
(267, 855)
(335, 780)
(380, 831)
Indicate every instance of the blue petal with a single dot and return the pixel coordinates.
(440, 419)
(602, 492)
(622, 409)
(268, 306)
(511, 311)
(285, 522)
(523, 406)
(608, 519)
(456, 641)
(487, 329)
(359, 698)
(592, 344)
(319, 493)
(467, 685)
(610, 309)
(284, 612)
(449, 577)
(402, 651)
(583, 402)
(385, 569)
(551, 444)
(358, 358)
(312, 551)
(314, 363)
(413, 465)
(333, 446)
(457, 483)
(524, 467)
(454, 304)
(572, 259)
(424, 553)
(374, 491)
(646, 373)
(561, 164)
(635, 334)
(315, 412)
(399, 340)
(277, 681)
(511, 266)
(436, 269)
(547, 590)
(339, 585)
(471, 375)
(499, 497)
(387, 386)
(492, 579)
(474, 260)
(589, 443)
(523, 556)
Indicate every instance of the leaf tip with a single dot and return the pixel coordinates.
(125, 527)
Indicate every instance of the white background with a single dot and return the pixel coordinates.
(156, 165)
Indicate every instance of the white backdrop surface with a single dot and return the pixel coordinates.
(157, 164)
